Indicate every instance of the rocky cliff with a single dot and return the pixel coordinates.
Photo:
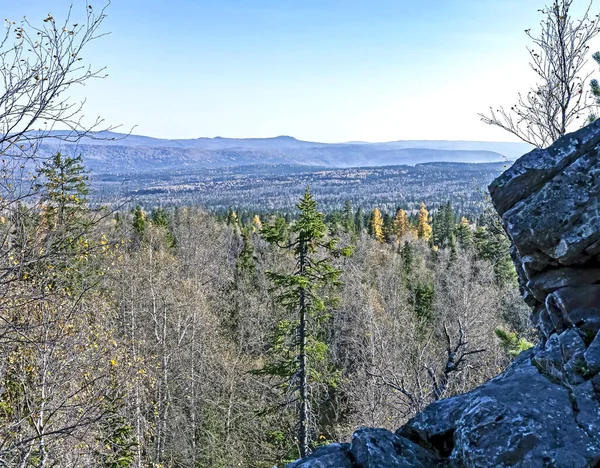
(544, 409)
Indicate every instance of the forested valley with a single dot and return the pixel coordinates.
(169, 337)
(227, 317)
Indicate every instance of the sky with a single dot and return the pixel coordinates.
(318, 70)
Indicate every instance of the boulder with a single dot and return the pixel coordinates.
(592, 356)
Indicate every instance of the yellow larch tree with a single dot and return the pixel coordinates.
(256, 223)
(377, 226)
(423, 227)
(401, 224)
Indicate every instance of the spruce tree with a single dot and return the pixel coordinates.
(348, 218)
(359, 221)
(464, 233)
(300, 292)
(139, 220)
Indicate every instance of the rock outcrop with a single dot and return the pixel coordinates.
(544, 410)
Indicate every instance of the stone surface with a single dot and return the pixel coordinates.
(379, 447)
(329, 456)
(579, 306)
(592, 356)
(544, 410)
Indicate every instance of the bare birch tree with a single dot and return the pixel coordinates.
(561, 99)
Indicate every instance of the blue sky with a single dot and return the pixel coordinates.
(321, 70)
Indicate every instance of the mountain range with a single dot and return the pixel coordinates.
(109, 152)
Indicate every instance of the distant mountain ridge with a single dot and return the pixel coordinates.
(106, 152)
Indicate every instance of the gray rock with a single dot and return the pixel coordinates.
(579, 306)
(575, 370)
(521, 418)
(533, 170)
(571, 343)
(380, 448)
(328, 456)
(561, 219)
(549, 281)
(592, 356)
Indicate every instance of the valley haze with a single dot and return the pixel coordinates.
(109, 152)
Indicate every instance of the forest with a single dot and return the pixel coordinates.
(245, 317)
(169, 337)
(268, 188)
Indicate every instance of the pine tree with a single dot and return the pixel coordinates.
(491, 243)
(511, 343)
(299, 292)
(160, 217)
(377, 225)
(423, 227)
(443, 226)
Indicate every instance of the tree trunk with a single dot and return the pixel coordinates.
(303, 430)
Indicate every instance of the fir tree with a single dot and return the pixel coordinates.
(300, 293)
(232, 218)
(160, 217)
(64, 191)
(491, 243)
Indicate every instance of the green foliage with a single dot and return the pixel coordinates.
(118, 443)
(491, 243)
(348, 218)
(299, 352)
(443, 226)
(511, 343)
(407, 258)
(139, 221)
(359, 221)
(160, 217)
(423, 301)
(245, 261)
(464, 234)
(64, 188)
(232, 218)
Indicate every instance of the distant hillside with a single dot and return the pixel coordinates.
(110, 152)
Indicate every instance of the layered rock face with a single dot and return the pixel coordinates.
(544, 410)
